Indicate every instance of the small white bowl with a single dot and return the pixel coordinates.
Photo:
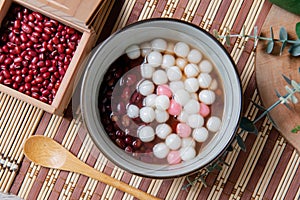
(137, 33)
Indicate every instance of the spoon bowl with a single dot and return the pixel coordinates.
(48, 153)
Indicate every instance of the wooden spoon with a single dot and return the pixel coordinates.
(46, 152)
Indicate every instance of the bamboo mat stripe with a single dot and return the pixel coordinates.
(269, 169)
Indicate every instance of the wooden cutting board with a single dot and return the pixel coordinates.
(271, 67)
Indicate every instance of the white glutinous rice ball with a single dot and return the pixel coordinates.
(176, 85)
(205, 66)
(147, 114)
(181, 49)
(146, 133)
(149, 100)
(200, 134)
(207, 96)
(147, 70)
(162, 102)
(170, 48)
(174, 73)
(191, 70)
(181, 96)
(133, 51)
(163, 130)
(213, 85)
(191, 85)
(159, 44)
(133, 111)
(160, 77)
(145, 48)
(183, 116)
(167, 61)
(188, 142)
(161, 116)
(192, 106)
(181, 63)
(173, 141)
(194, 95)
(204, 80)
(161, 150)
(194, 56)
(187, 153)
(213, 123)
(146, 87)
(195, 121)
(154, 58)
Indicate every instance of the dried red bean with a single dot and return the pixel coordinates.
(15, 85)
(27, 86)
(28, 78)
(46, 75)
(21, 88)
(35, 95)
(7, 81)
(6, 74)
(38, 29)
(26, 28)
(18, 78)
(43, 99)
(18, 59)
(34, 89)
(39, 79)
(2, 58)
(43, 69)
(17, 23)
(8, 61)
(45, 93)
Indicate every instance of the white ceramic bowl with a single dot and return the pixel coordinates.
(169, 29)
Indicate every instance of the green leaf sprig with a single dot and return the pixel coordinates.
(294, 49)
(247, 125)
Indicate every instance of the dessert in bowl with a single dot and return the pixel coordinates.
(161, 98)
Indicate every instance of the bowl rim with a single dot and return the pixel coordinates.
(222, 48)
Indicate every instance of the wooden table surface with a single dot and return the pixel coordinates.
(268, 169)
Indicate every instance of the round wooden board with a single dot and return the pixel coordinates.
(271, 67)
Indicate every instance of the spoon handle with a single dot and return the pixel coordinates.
(89, 171)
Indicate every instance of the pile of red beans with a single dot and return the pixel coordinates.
(35, 52)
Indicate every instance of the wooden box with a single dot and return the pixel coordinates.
(88, 18)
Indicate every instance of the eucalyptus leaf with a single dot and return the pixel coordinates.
(282, 47)
(271, 33)
(230, 148)
(270, 47)
(203, 181)
(258, 106)
(227, 39)
(295, 85)
(218, 167)
(278, 94)
(240, 142)
(287, 105)
(210, 168)
(298, 30)
(248, 125)
(295, 49)
(223, 162)
(283, 35)
(288, 80)
(216, 34)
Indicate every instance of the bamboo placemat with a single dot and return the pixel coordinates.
(269, 169)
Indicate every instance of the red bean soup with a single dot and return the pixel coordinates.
(161, 101)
